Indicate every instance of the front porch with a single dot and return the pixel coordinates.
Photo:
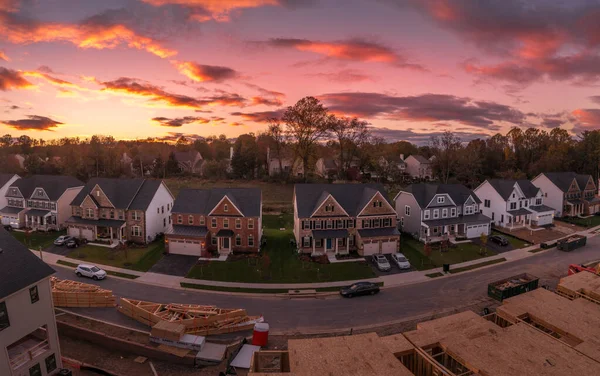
(225, 241)
(40, 220)
(470, 226)
(574, 208)
(330, 242)
(433, 234)
(107, 231)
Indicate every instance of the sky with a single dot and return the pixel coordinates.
(412, 68)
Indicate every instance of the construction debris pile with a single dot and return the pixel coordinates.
(66, 293)
(197, 319)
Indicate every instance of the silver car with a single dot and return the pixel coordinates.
(90, 271)
(401, 261)
(381, 263)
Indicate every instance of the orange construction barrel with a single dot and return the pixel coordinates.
(260, 335)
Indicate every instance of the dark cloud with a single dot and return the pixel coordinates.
(260, 116)
(178, 122)
(174, 136)
(424, 108)
(595, 99)
(266, 101)
(45, 69)
(33, 122)
(12, 79)
(205, 73)
(393, 135)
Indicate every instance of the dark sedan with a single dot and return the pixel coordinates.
(359, 288)
(499, 239)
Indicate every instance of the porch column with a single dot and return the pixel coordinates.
(111, 233)
(218, 244)
(313, 243)
(348, 244)
(337, 242)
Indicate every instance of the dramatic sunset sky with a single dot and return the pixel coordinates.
(412, 68)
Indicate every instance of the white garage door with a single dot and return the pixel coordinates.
(5, 220)
(371, 249)
(545, 219)
(389, 247)
(184, 247)
(475, 231)
(76, 232)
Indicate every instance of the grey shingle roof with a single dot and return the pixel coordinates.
(563, 180)
(183, 230)
(134, 194)
(352, 197)
(203, 201)
(420, 158)
(375, 232)
(54, 185)
(505, 187)
(541, 208)
(19, 267)
(11, 210)
(466, 219)
(186, 156)
(96, 222)
(330, 234)
(4, 178)
(424, 193)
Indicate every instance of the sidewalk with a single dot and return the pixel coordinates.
(392, 280)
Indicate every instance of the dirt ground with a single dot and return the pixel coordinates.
(560, 230)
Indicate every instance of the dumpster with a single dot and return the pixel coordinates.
(571, 243)
(512, 286)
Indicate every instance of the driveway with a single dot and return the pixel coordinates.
(62, 250)
(559, 230)
(178, 265)
(395, 269)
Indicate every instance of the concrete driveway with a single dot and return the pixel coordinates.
(395, 269)
(59, 250)
(178, 265)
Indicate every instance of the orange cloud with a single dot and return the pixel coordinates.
(3, 56)
(589, 119)
(178, 122)
(205, 73)
(266, 101)
(218, 10)
(12, 79)
(33, 122)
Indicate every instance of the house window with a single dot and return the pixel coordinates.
(387, 222)
(238, 240)
(365, 223)
(305, 225)
(103, 214)
(513, 205)
(213, 222)
(250, 241)
(538, 201)
(225, 208)
(306, 241)
(250, 223)
(468, 209)
(164, 222)
(90, 212)
(440, 200)
(168, 207)
(136, 231)
(407, 210)
(402, 221)
(426, 214)
(50, 363)
(120, 215)
(486, 203)
(339, 224)
(40, 193)
(180, 219)
(33, 294)
(190, 219)
(317, 225)
(329, 224)
(35, 370)
(202, 221)
(444, 213)
(376, 223)
(135, 215)
(350, 223)
(4, 321)
(162, 209)
(351, 243)
(453, 212)
(238, 223)
(213, 239)
(157, 210)
(225, 223)
(112, 214)
(436, 213)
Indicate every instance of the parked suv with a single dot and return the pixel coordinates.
(90, 271)
(381, 263)
(62, 240)
(499, 239)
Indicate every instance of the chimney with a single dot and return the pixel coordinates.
(231, 152)
(402, 156)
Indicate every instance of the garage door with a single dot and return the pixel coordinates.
(545, 219)
(76, 232)
(475, 231)
(184, 247)
(389, 247)
(5, 220)
(371, 249)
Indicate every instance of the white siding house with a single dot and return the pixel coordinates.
(5, 181)
(158, 213)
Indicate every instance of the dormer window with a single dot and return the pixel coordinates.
(329, 208)
(98, 193)
(225, 208)
(440, 200)
(377, 204)
(40, 193)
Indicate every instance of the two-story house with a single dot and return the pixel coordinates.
(28, 335)
(434, 212)
(189, 161)
(568, 193)
(120, 210)
(419, 167)
(224, 220)
(326, 167)
(338, 218)
(514, 203)
(6, 181)
(40, 202)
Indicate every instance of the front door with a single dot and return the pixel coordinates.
(329, 244)
(226, 243)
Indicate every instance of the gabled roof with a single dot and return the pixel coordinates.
(563, 180)
(582, 180)
(19, 267)
(424, 193)
(203, 201)
(419, 158)
(351, 197)
(186, 156)
(504, 187)
(133, 194)
(53, 185)
(4, 178)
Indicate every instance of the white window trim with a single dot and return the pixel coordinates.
(426, 214)
(440, 200)
(407, 210)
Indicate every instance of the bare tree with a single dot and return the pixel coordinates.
(279, 139)
(351, 133)
(306, 123)
(445, 150)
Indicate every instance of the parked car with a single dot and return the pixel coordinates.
(62, 240)
(401, 261)
(72, 243)
(8, 227)
(359, 288)
(499, 239)
(90, 271)
(382, 263)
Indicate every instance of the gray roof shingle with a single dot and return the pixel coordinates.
(4, 178)
(203, 201)
(19, 267)
(563, 180)
(132, 194)
(53, 185)
(505, 187)
(420, 158)
(352, 197)
(424, 193)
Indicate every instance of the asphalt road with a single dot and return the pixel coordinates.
(391, 304)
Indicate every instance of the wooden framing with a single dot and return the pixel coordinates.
(197, 319)
(584, 285)
(66, 293)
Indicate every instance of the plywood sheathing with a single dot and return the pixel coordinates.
(584, 283)
(397, 344)
(358, 355)
(577, 321)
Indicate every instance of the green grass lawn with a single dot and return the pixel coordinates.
(413, 250)
(583, 222)
(279, 262)
(140, 259)
(516, 243)
(37, 239)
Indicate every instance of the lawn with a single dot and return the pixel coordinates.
(279, 262)
(37, 239)
(140, 259)
(514, 242)
(583, 222)
(413, 250)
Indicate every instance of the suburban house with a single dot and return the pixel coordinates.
(326, 167)
(5, 181)
(40, 202)
(222, 220)
(419, 167)
(514, 203)
(435, 212)
(339, 218)
(569, 193)
(17, 160)
(28, 334)
(189, 161)
(287, 167)
(119, 210)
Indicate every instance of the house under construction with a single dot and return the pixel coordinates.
(537, 333)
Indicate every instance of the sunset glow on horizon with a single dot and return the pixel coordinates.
(156, 68)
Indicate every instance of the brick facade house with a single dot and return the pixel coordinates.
(339, 218)
(222, 220)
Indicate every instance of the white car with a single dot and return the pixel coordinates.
(401, 261)
(90, 271)
(381, 263)
(62, 240)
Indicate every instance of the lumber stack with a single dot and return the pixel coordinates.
(66, 293)
(581, 285)
(197, 319)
